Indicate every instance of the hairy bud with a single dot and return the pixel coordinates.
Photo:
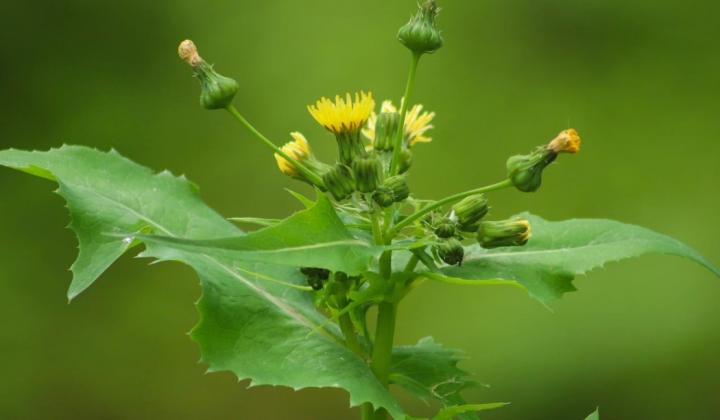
(216, 91)
(469, 211)
(339, 181)
(451, 251)
(420, 35)
(368, 173)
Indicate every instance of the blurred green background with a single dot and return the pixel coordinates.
(639, 80)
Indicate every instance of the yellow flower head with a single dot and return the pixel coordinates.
(417, 123)
(344, 115)
(298, 149)
(567, 141)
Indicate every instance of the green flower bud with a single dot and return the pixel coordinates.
(350, 146)
(339, 181)
(420, 35)
(385, 128)
(451, 251)
(217, 91)
(394, 190)
(445, 228)
(315, 276)
(525, 171)
(513, 232)
(384, 197)
(368, 173)
(469, 211)
(405, 161)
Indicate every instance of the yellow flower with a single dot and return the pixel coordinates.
(298, 149)
(567, 141)
(417, 123)
(344, 115)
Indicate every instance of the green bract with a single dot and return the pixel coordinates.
(288, 304)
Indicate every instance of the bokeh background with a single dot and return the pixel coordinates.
(639, 80)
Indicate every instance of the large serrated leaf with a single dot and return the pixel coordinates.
(315, 237)
(252, 325)
(430, 372)
(559, 251)
(107, 193)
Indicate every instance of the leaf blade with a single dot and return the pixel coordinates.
(559, 251)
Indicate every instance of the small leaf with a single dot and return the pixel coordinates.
(459, 410)
(314, 237)
(559, 251)
(430, 372)
(595, 415)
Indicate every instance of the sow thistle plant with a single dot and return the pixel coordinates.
(289, 303)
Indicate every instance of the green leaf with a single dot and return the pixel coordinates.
(458, 411)
(107, 193)
(315, 237)
(251, 322)
(430, 372)
(595, 415)
(559, 251)
(260, 221)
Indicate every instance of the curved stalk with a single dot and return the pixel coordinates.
(309, 174)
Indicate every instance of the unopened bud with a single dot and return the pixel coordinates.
(217, 91)
(445, 228)
(525, 171)
(513, 232)
(421, 35)
(393, 190)
(339, 181)
(385, 128)
(451, 251)
(469, 211)
(368, 173)
(405, 161)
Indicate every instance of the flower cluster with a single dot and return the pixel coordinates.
(368, 178)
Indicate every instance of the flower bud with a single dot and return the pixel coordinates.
(420, 35)
(339, 181)
(405, 161)
(512, 232)
(368, 173)
(386, 126)
(394, 190)
(525, 171)
(469, 211)
(451, 251)
(445, 228)
(217, 91)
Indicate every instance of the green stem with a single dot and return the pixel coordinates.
(382, 350)
(310, 175)
(397, 143)
(447, 200)
(411, 264)
(348, 330)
